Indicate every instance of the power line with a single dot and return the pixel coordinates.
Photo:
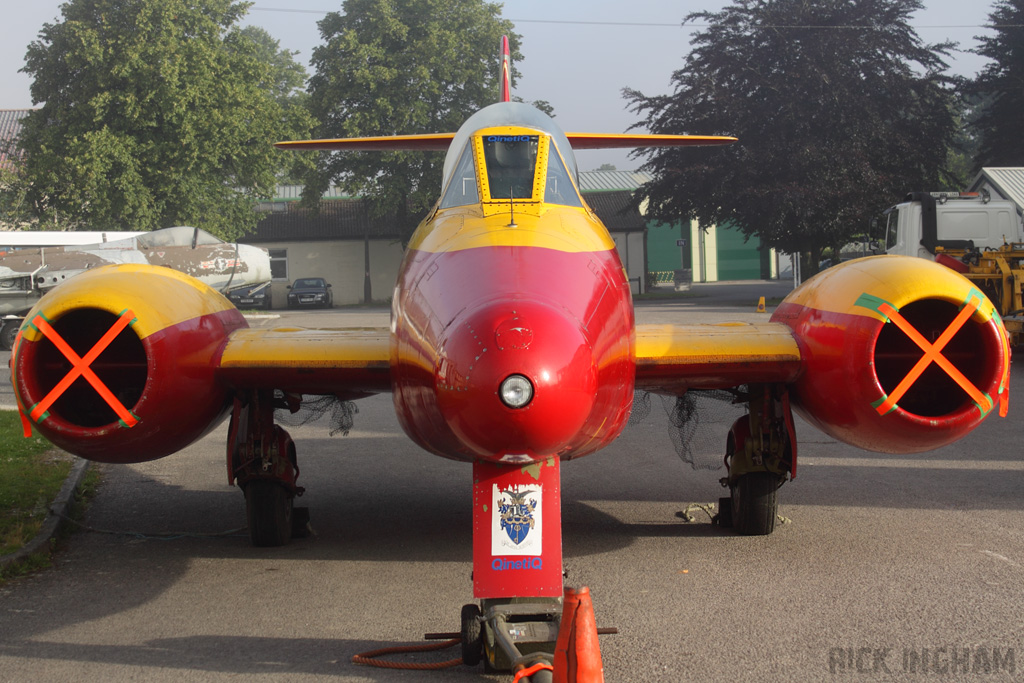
(581, 22)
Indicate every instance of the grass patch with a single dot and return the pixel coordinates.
(31, 474)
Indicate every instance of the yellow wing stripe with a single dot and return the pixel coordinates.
(436, 142)
(348, 363)
(301, 348)
(672, 358)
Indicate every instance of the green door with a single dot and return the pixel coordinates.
(737, 259)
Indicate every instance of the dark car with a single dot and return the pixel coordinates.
(310, 291)
(251, 296)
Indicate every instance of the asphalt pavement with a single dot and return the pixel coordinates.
(887, 567)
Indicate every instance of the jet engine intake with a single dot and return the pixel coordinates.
(900, 354)
(118, 364)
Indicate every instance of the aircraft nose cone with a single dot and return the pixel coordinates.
(540, 343)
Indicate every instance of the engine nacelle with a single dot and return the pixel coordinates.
(118, 364)
(901, 355)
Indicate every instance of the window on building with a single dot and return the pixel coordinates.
(278, 264)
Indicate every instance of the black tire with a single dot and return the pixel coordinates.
(8, 333)
(724, 516)
(472, 635)
(268, 508)
(300, 522)
(755, 504)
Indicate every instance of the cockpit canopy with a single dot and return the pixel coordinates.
(516, 158)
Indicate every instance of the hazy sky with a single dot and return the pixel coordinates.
(578, 54)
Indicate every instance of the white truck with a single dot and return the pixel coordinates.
(951, 220)
(971, 233)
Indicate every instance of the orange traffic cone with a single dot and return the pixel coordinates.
(760, 305)
(577, 653)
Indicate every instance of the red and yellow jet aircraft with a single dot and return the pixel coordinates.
(512, 346)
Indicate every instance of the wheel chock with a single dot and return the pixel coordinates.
(577, 652)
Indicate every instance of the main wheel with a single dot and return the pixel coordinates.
(268, 508)
(755, 504)
(472, 635)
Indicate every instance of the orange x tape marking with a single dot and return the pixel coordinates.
(932, 353)
(80, 368)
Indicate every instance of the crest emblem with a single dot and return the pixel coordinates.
(517, 520)
(516, 510)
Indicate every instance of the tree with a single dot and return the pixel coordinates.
(839, 108)
(1002, 82)
(395, 67)
(155, 113)
(288, 85)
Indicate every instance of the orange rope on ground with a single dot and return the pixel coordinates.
(370, 658)
(524, 673)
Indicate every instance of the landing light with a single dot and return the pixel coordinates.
(516, 391)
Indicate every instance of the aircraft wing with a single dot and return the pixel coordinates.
(673, 358)
(630, 141)
(301, 361)
(440, 142)
(437, 142)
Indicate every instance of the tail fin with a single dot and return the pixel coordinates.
(505, 87)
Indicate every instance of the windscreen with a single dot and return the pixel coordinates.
(511, 162)
(559, 189)
(462, 187)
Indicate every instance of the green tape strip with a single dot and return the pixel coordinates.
(41, 417)
(885, 397)
(125, 424)
(873, 303)
(133, 321)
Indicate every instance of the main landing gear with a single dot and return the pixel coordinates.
(261, 458)
(760, 454)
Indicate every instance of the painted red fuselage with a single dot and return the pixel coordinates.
(563, 319)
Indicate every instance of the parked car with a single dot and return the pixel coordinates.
(251, 296)
(310, 291)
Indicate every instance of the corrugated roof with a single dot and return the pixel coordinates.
(348, 219)
(1007, 183)
(603, 181)
(338, 219)
(615, 209)
(10, 127)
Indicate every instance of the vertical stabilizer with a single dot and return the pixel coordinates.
(505, 94)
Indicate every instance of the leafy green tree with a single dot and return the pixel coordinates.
(154, 113)
(12, 199)
(1002, 81)
(288, 85)
(960, 160)
(838, 106)
(400, 67)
